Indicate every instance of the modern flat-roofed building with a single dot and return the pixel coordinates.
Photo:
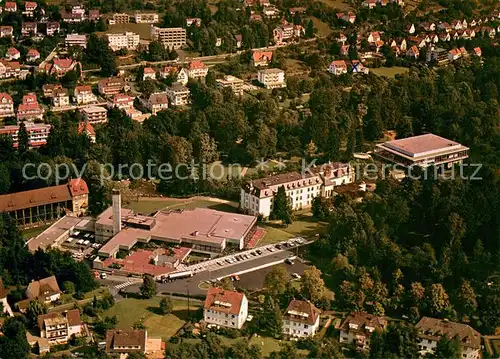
(301, 319)
(257, 196)
(225, 308)
(431, 330)
(37, 133)
(76, 40)
(126, 40)
(146, 18)
(271, 78)
(424, 150)
(172, 37)
(120, 18)
(358, 327)
(178, 94)
(94, 114)
(234, 83)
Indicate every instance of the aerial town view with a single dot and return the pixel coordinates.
(250, 179)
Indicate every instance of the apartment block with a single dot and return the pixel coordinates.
(60, 97)
(120, 19)
(94, 114)
(76, 40)
(30, 109)
(174, 37)
(111, 86)
(234, 83)
(6, 105)
(271, 78)
(58, 327)
(37, 133)
(156, 102)
(301, 319)
(83, 95)
(126, 40)
(146, 18)
(178, 95)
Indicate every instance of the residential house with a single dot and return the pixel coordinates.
(370, 4)
(6, 110)
(454, 54)
(30, 109)
(444, 37)
(193, 20)
(349, 17)
(413, 52)
(464, 52)
(28, 28)
(478, 52)
(218, 42)
(344, 50)
(427, 26)
(464, 24)
(225, 308)
(156, 102)
(146, 18)
(358, 68)
(13, 54)
(94, 15)
(256, 17)
(261, 58)
(282, 33)
(488, 31)
(6, 309)
(183, 76)
(166, 71)
(342, 38)
(6, 31)
(112, 86)
(431, 330)
(124, 342)
(10, 6)
(29, 8)
(178, 95)
(86, 128)
(197, 69)
(46, 289)
(444, 26)
(358, 327)
(32, 55)
(433, 38)
(48, 89)
(83, 95)
(232, 82)
(410, 29)
(338, 67)
(271, 78)
(53, 27)
(149, 74)
(59, 327)
(456, 25)
(94, 114)
(473, 23)
(256, 197)
(60, 67)
(373, 37)
(239, 41)
(297, 10)
(437, 55)
(122, 101)
(60, 97)
(10, 69)
(301, 319)
(270, 11)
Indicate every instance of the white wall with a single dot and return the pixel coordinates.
(300, 330)
(227, 320)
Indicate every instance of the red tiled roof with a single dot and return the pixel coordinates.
(222, 300)
(78, 186)
(29, 5)
(339, 63)
(196, 64)
(83, 89)
(33, 53)
(6, 96)
(63, 63)
(262, 55)
(10, 5)
(29, 107)
(149, 70)
(13, 51)
(301, 311)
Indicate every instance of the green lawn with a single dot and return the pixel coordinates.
(323, 28)
(33, 232)
(303, 226)
(269, 345)
(141, 29)
(389, 71)
(338, 4)
(130, 311)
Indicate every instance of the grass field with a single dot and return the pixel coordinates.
(323, 28)
(389, 71)
(303, 226)
(149, 206)
(269, 345)
(33, 232)
(131, 311)
(337, 4)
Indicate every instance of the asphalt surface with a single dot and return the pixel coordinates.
(255, 280)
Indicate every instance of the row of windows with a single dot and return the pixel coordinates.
(221, 314)
(215, 319)
(287, 322)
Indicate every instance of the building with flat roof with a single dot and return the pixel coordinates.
(146, 18)
(76, 40)
(234, 83)
(271, 78)
(225, 308)
(120, 18)
(94, 114)
(172, 37)
(126, 40)
(424, 150)
(37, 133)
(111, 86)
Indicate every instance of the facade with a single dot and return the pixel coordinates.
(122, 101)
(271, 78)
(225, 308)
(86, 128)
(46, 204)
(83, 95)
(123, 342)
(261, 58)
(94, 114)
(46, 290)
(156, 102)
(28, 28)
(126, 40)
(53, 27)
(178, 95)
(193, 20)
(120, 19)
(234, 83)
(437, 55)
(6, 31)
(12, 54)
(149, 74)
(60, 98)
(6, 105)
(423, 151)
(30, 109)
(146, 18)
(37, 133)
(172, 38)
(358, 327)
(76, 40)
(111, 86)
(301, 319)
(197, 69)
(10, 6)
(58, 327)
(183, 76)
(10, 69)
(257, 196)
(282, 33)
(430, 331)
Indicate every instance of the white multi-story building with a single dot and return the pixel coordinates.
(122, 101)
(232, 82)
(6, 105)
(146, 18)
(225, 308)
(197, 69)
(155, 102)
(178, 95)
(257, 196)
(37, 133)
(271, 78)
(120, 18)
(172, 38)
(76, 40)
(301, 319)
(126, 40)
(52, 28)
(94, 114)
(84, 95)
(282, 32)
(60, 97)
(58, 327)
(431, 330)
(358, 327)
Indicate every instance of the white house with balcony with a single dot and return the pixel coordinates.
(225, 308)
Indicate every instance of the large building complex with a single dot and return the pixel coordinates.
(126, 40)
(37, 133)
(257, 196)
(423, 151)
(46, 204)
(172, 37)
(225, 308)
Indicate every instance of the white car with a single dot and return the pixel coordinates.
(296, 275)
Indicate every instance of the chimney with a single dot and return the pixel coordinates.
(117, 213)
